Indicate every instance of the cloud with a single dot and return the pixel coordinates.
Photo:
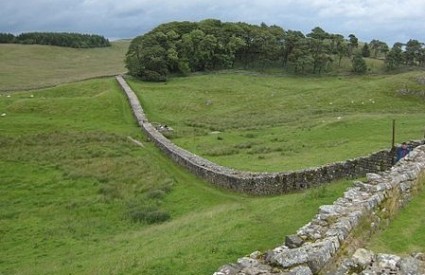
(390, 20)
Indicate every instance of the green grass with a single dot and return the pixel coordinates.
(275, 123)
(69, 176)
(34, 66)
(405, 234)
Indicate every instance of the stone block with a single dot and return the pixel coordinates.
(300, 270)
(363, 258)
(293, 241)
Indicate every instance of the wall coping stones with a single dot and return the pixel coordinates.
(258, 183)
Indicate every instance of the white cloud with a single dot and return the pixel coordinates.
(389, 20)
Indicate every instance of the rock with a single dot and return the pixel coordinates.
(373, 178)
(293, 241)
(362, 257)
(300, 270)
(231, 269)
(290, 257)
(419, 256)
(409, 265)
(255, 255)
(387, 261)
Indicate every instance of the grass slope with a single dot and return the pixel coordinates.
(69, 175)
(34, 66)
(273, 123)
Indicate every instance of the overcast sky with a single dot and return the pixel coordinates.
(387, 20)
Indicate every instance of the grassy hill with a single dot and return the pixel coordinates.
(272, 123)
(72, 183)
(35, 66)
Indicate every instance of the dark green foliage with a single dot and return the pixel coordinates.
(63, 39)
(185, 47)
(365, 50)
(7, 38)
(359, 64)
(410, 54)
(394, 57)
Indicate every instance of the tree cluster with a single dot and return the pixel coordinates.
(411, 53)
(184, 47)
(73, 40)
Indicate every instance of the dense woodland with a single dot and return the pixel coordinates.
(184, 47)
(62, 39)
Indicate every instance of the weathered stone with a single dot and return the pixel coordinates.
(319, 240)
(363, 257)
(410, 265)
(345, 267)
(231, 269)
(255, 255)
(290, 257)
(388, 261)
(373, 178)
(419, 256)
(300, 270)
(293, 241)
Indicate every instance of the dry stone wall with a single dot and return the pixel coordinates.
(258, 183)
(316, 247)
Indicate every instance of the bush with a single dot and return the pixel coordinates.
(153, 76)
(148, 214)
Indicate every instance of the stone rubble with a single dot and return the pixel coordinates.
(316, 244)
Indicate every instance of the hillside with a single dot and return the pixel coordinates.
(34, 66)
(260, 122)
(74, 185)
(77, 176)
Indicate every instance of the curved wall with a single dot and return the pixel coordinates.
(258, 183)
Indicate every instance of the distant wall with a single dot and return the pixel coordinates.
(258, 183)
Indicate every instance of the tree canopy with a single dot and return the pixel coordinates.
(63, 39)
(185, 47)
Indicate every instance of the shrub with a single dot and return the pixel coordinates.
(148, 214)
(153, 76)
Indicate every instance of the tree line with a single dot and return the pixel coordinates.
(62, 39)
(184, 47)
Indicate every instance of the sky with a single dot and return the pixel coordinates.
(386, 20)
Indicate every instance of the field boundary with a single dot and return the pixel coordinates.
(259, 183)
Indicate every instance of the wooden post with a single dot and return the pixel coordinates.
(393, 139)
(392, 152)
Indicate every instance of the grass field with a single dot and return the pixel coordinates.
(35, 66)
(272, 123)
(73, 185)
(76, 191)
(405, 234)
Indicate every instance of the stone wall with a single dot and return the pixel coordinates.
(258, 183)
(317, 246)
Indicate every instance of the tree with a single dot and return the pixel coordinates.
(394, 57)
(359, 64)
(7, 38)
(412, 53)
(353, 43)
(365, 50)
